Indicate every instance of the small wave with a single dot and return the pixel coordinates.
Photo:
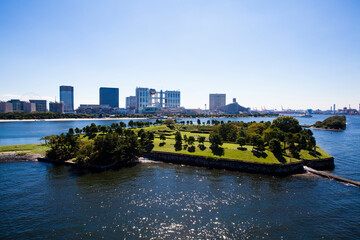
(146, 160)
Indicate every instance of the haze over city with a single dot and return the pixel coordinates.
(295, 54)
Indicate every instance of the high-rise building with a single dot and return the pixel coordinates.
(142, 99)
(150, 98)
(67, 97)
(131, 102)
(40, 105)
(57, 107)
(109, 96)
(172, 99)
(217, 100)
(6, 107)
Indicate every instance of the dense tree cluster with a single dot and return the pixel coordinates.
(334, 122)
(284, 133)
(100, 145)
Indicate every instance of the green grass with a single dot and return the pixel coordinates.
(320, 153)
(231, 151)
(28, 148)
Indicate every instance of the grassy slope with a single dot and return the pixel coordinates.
(30, 148)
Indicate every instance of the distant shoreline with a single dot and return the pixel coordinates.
(67, 119)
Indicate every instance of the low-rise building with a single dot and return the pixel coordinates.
(56, 107)
(131, 102)
(6, 107)
(40, 105)
(28, 107)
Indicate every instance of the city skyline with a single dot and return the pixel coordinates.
(296, 55)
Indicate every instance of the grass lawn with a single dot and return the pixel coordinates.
(319, 154)
(29, 148)
(231, 151)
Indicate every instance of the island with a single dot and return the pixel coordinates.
(335, 123)
(281, 147)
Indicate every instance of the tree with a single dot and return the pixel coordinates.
(131, 123)
(257, 142)
(178, 137)
(178, 141)
(78, 130)
(201, 139)
(287, 124)
(198, 122)
(215, 139)
(71, 130)
(122, 124)
(241, 141)
(275, 146)
(169, 123)
(103, 129)
(228, 132)
(191, 140)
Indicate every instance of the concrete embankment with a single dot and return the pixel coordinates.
(331, 176)
(229, 164)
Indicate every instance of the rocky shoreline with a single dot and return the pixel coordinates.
(19, 157)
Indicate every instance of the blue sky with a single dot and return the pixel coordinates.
(295, 54)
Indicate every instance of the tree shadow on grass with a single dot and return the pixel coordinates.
(242, 148)
(259, 154)
(218, 151)
(161, 144)
(280, 158)
(315, 154)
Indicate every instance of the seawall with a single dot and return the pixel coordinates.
(229, 164)
(320, 164)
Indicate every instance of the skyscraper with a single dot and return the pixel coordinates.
(67, 96)
(109, 96)
(217, 100)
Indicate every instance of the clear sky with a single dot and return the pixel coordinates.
(295, 54)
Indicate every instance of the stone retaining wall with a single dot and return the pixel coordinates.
(320, 164)
(229, 164)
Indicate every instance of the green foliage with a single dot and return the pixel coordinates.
(334, 122)
(241, 141)
(287, 124)
(215, 139)
(191, 140)
(257, 142)
(275, 146)
(228, 132)
(170, 123)
(62, 147)
(201, 139)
